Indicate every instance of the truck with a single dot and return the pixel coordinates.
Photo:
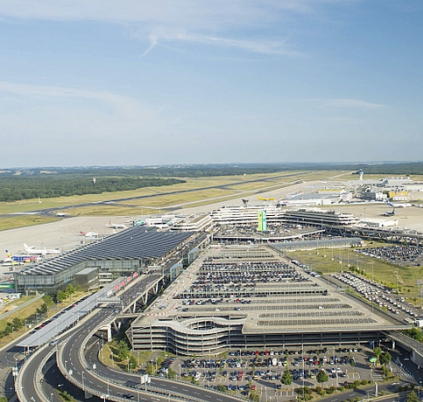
(418, 323)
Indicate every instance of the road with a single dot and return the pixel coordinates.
(76, 371)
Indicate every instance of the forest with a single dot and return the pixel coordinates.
(14, 188)
(21, 184)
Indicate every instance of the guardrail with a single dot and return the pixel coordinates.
(102, 394)
(156, 390)
(38, 376)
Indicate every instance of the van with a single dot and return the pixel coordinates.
(54, 342)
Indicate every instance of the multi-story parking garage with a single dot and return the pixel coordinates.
(250, 297)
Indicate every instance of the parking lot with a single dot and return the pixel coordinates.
(262, 370)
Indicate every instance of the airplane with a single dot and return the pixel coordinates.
(20, 259)
(389, 213)
(62, 214)
(89, 234)
(32, 251)
(265, 199)
(398, 205)
(116, 225)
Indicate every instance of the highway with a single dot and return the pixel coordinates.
(103, 381)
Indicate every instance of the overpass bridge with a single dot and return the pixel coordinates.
(392, 234)
(415, 348)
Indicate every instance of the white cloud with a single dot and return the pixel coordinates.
(211, 12)
(123, 104)
(265, 47)
(346, 103)
(209, 22)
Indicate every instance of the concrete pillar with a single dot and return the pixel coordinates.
(393, 344)
(109, 333)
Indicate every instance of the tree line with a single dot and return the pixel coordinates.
(15, 188)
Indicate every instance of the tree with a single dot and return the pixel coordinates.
(412, 397)
(385, 358)
(122, 350)
(150, 370)
(17, 323)
(70, 289)
(48, 300)
(286, 378)
(132, 363)
(255, 397)
(415, 333)
(61, 295)
(377, 352)
(322, 376)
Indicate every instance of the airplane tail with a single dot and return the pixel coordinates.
(8, 255)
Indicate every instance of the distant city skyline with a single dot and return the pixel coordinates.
(153, 82)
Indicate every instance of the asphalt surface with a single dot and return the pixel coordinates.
(53, 211)
(85, 376)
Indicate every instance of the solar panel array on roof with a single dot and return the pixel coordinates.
(130, 244)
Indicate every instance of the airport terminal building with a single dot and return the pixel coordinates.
(121, 254)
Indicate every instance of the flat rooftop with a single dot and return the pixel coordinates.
(265, 292)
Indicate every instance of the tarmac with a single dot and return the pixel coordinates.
(64, 234)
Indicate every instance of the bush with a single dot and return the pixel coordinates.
(364, 382)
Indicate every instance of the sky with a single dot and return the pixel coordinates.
(155, 82)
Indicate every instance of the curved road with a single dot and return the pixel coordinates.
(112, 381)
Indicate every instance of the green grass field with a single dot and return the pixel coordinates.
(236, 187)
(381, 271)
(12, 222)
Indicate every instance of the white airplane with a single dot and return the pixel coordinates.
(89, 234)
(398, 205)
(44, 251)
(116, 225)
